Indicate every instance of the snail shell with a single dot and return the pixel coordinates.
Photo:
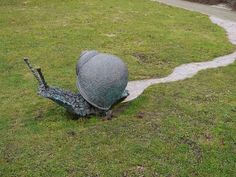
(101, 78)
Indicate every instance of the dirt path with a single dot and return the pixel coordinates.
(202, 8)
(185, 71)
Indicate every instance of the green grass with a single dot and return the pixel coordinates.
(185, 128)
(151, 38)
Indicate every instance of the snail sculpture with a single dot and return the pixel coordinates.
(101, 80)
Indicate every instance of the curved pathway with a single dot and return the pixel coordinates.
(185, 71)
(222, 13)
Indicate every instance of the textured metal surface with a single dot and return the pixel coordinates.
(84, 57)
(73, 102)
(102, 78)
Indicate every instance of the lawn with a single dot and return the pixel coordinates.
(185, 128)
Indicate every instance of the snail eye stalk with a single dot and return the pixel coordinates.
(42, 77)
(38, 75)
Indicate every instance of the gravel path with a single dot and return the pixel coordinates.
(216, 11)
(185, 71)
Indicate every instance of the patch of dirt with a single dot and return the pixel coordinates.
(108, 115)
(140, 115)
(71, 133)
(208, 136)
(144, 57)
(39, 114)
(11, 151)
(140, 171)
(194, 147)
(118, 109)
(71, 116)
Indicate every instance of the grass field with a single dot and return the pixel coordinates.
(185, 128)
